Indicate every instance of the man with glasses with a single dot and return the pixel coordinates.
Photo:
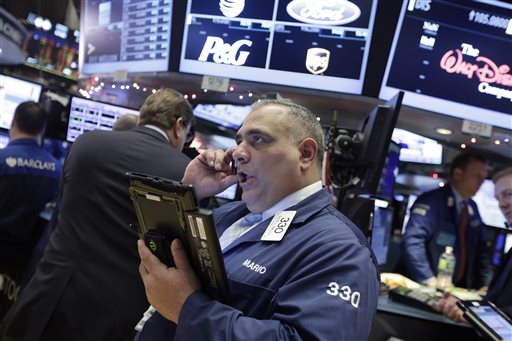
(448, 217)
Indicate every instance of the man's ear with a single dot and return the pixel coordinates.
(308, 149)
(178, 128)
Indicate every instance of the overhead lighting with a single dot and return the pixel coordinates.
(444, 131)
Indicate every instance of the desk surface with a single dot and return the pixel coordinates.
(395, 319)
(385, 304)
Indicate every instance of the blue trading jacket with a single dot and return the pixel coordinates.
(320, 282)
(433, 224)
(29, 178)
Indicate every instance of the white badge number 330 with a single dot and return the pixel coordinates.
(345, 293)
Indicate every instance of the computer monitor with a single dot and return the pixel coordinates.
(381, 232)
(416, 148)
(14, 91)
(488, 205)
(86, 114)
(224, 115)
(131, 36)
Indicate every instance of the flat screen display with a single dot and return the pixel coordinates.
(488, 205)
(417, 148)
(381, 233)
(129, 35)
(14, 91)
(226, 115)
(449, 57)
(313, 44)
(51, 47)
(86, 115)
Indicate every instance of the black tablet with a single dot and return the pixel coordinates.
(167, 210)
(487, 319)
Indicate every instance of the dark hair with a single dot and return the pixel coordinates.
(462, 160)
(164, 107)
(30, 118)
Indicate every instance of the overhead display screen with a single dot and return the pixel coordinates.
(126, 35)
(303, 43)
(51, 47)
(450, 57)
(86, 115)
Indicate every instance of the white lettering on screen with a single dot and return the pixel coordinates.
(224, 53)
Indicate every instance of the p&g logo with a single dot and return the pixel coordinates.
(223, 52)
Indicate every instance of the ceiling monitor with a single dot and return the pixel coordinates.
(86, 115)
(449, 57)
(14, 91)
(131, 36)
(51, 47)
(224, 115)
(416, 148)
(321, 45)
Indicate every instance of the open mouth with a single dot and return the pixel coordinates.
(243, 177)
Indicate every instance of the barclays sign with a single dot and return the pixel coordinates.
(329, 12)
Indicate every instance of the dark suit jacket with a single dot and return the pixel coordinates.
(500, 289)
(87, 285)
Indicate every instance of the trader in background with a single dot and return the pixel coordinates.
(316, 280)
(448, 217)
(29, 179)
(500, 289)
(87, 285)
(126, 122)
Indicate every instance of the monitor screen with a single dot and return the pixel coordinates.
(381, 232)
(51, 47)
(449, 57)
(14, 91)
(488, 205)
(313, 44)
(387, 181)
(226, 115)
(417, 148)
(86, 114)
(134, 36)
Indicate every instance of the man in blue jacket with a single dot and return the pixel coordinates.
(437, 220)
(29, 178)
(316, 279)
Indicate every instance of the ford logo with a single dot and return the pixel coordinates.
(327, 12)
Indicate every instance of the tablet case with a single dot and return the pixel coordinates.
(167, 210)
